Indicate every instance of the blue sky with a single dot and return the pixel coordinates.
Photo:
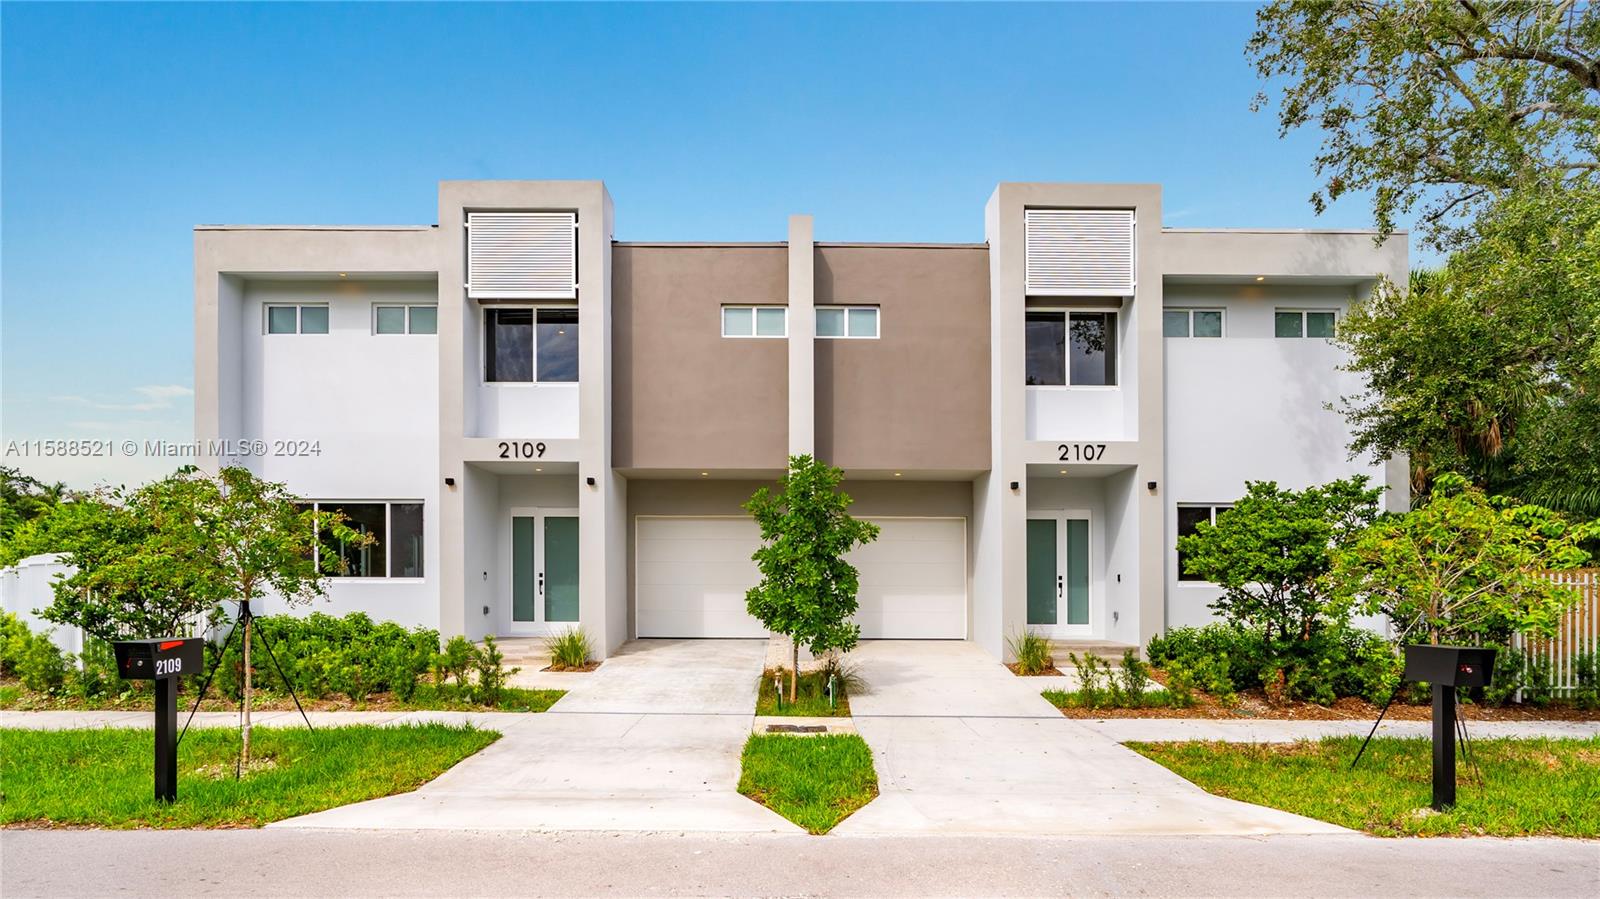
(123, 126)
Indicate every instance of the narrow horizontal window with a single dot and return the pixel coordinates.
(424, 319)
(1191, 323)
(1304, 323)
(859, 322)
(297, 319)
(755, 321)
(405, 319)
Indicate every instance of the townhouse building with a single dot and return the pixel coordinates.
(544, 427)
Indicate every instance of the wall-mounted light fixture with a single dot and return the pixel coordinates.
(449, 482)
(1016, 485)
(589, 481)
(1150, 486)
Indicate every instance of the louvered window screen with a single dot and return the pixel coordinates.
(1080, 252)
(522, 255)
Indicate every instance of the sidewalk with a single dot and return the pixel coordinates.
(1154, 730)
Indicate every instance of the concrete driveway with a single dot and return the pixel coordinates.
(648, 742)
(964, 746)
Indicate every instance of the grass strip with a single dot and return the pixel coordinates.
(102, 777)
(811, 700)
(816, 782)
(1532, 787)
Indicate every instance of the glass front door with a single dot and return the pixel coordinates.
(544, 570)
(1058, 573)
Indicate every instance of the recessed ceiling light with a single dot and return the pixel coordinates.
(1063, 471)
(341, 274)
(538, 469)
(705, 474)
(897, 474)
(1261, 277)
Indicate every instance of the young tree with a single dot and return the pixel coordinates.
(807, 590)
(1464, 566)
(1271, 553)
(156, 560)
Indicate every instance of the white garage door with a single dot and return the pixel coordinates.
(691, 575)
(913, 579)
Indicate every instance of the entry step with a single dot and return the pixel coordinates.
(1109, 650)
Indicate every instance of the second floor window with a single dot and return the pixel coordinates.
(1191, 323)
(405, 319)
(531, 345)
(297, 319)
(1076, 349)
(755, 321)
(1303, 323)
(847, 321)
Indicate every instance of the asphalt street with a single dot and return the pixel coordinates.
(298, 863)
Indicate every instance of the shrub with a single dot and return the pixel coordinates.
(1586, 667)
(324, 654)
(487, 662)
(453, 662)
(1239, 653)
(1033, 653)
(14, 636)
(1538, 680)
(1135, 677)
(40, 664)
(569, 649)
(1091, 676)
(1509, 670)
(98, 674)
(846, 675)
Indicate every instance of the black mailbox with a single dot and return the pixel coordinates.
(1449, 666)
(159, 658)
(163, 660)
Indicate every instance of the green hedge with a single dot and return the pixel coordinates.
(1336, 662)
(322, 654)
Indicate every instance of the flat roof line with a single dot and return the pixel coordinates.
(688, 244)
(1369, 231)
(315, 227)
(902, 245)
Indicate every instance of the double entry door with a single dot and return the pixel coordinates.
(544, 570)
(1058, 573)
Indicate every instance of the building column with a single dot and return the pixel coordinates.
(802, 334)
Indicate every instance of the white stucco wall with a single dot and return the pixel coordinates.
(1249, 406)
(369, 403)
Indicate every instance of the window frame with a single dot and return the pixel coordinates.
(388, 541)
(722, 321)
(877, 322)
(299, 320)
(1066, 359)
(1189, 311)
(1302, 311)
(1177, 557)
(406, 330)
(533, 348)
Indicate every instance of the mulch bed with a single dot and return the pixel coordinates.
(1050, 671)
(579, 669)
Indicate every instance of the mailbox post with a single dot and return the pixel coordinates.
(163, 660)
(1446, 668)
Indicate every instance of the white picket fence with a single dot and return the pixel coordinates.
(1578, 633)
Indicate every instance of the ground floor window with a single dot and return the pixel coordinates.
(1189, 517)
(396, 528)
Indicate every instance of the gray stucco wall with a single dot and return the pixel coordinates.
(683, 395)
(917, 398)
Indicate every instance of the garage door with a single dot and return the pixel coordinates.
(691, 575)
(913, 579)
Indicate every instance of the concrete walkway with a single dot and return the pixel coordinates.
(1155, 730)
(963, 746)
(648, 742)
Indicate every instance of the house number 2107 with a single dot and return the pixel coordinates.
(1081, 452)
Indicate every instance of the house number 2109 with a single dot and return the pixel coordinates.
(521, 449)
(1081, 452)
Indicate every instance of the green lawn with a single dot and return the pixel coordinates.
(816, 782)
(102, 777)
(811, 698)
(1529, 787)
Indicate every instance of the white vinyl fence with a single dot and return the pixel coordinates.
(1578, 634)
(29, 585)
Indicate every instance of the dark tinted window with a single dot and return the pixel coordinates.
(558, 345)
(1047, 347)
(1094, 348)
(509, 345)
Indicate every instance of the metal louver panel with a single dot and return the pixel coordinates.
(522, 255)
(1079, 252)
